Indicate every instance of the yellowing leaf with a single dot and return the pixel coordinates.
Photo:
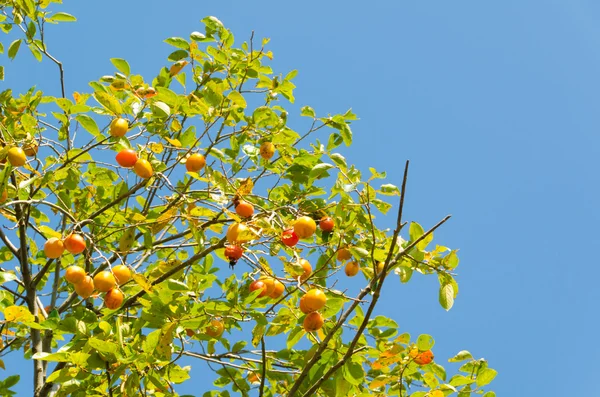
(156, 147)
(164, 220)
(379, 382)
(18, 314)
(232, 215)
(245, 187)
(142, 281)
(174, 142)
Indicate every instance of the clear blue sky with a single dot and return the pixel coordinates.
(495, 104)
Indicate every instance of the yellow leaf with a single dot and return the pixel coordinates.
(49, 232)
(164, 220)
(176, 126)
(137, 217)
(142, 281)
(76, 96)
(232, 215)
(2, 364)
(174, 142)
(245, 187)
(18, 314)
(378, 382)
(156, 147)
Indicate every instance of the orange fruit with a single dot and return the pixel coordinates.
(238, 233)
(303, 307)
(122, 274)
(259, 284)
(233, 252)
(195, 162)
(307, 269)
(119, 127)
(127, 158)
(313, 322)
(143, 169)
(267, 150)
(113, 299)
(74, 243)
(278, 289)
(215, 329)
(16, 156)
(315, 299)
(74, 274)
(424, 358)
(54, 248)
(85, 288)
(326, 224)
(244, 209)
(352, 269)
(253, 377)
(104, 281)
(343, 254)
(305, 227)
(30, 149)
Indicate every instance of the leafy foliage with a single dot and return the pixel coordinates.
(169, 222)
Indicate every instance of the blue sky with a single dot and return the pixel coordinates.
(495, 104)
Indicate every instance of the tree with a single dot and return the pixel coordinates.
(120, 205)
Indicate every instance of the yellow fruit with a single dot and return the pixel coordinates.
(113, 299)
(352, 269)
(16, 156)
(195, 162)
(85, 288)
(119, 127)
(306, 266)
(315, 300)
(54, 248)
(104, 281)
(122, 274)
(313, 322)
(143, 169)
(267, 150)
(380, 267)
(343, 254)
(215, 329)
(305, 227)
(238, 233)
(74, 274)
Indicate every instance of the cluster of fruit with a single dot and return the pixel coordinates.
(104, 281)
(17, 156)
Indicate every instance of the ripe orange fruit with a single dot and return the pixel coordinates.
(315, 299)
(85, 288)
(104, 281)
(238, 233)
(277, 290)
(54, 248)
(143, 169)
(259, 284)
(122, 274)
(30, 149)
(244, 209)
(16, 156)
(233, 252)
(352, 269)
(74, 274)
(313, 322)
(305, 227)
(119, 127)
(127, 158)
(113, 299)
(326, 224)
(74, 243)
(303, 307)
(267, 150)
(307, 269)
(215, 329)
(343, 254)
(289, 238)
(424, 358)
(195, 162)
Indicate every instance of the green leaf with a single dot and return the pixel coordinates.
(461, 356)
(121, 65)
(161, 109)
(11, 381)
(1, 73)
(55, 357)
(109, 102)
(489, 394)
(102, 345)
(5, 277)
(178, 42)
(89, 124)
(237, 99)
(353, 373)
(307, 111)
(62, 17)
(320, 170)
(447, 296)
(14, 48)
(425, 342)
(415, 231)
(485, 376)
(176, 374)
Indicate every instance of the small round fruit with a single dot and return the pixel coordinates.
(244, 209)
(233, 252)
(289, 238)
(122, 274)
(238, 233)
(269, 283)
(326, 224)
(343, 254)
(143, 169)
(16, 156)
(305, 227)
(306, 266)
(195, 162)
(74, 274)
(313, 322)
(127, 158)
(267, 150)
(380, 267)
(253, 378)
(424, 358)
(119, 127)
(85, 288)
(278, 289)
(352, 269)
(303, 307)
(74, 243)
(113, 299)
(54, 248)
(30, 150)
(315, 299)
(215, 329)
(104, 281)
(259, 284)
